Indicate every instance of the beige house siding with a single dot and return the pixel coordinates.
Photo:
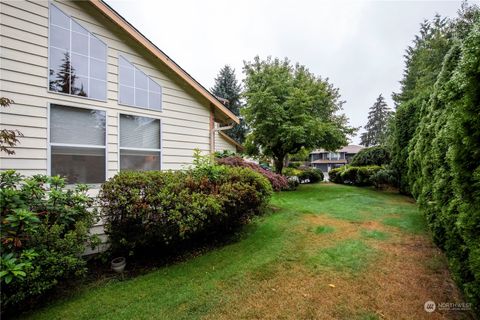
(222, 144)
(24, 78)
(185, 115)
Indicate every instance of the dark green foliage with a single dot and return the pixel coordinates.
(359, 176)
(423, 64)
(311, 175)
(444, 164)
(289, 109)
(155, 210)
(378, 156)
(383, 178)
(225, 154)
(227, 87)
(378, 119)
(435, 139)
(43, 234)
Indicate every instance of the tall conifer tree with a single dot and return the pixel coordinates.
(376, 128)
(227, 87)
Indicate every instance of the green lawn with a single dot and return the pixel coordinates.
(324, 252)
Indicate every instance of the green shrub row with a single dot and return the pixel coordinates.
(44, 230)
(158, 210)
(373, 156)
(304, 174)
(359, 176)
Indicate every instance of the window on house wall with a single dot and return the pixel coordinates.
(136, 88)
(77, 144)
(334, 156)
(77, 59)
(140, 144)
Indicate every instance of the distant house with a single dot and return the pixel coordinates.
(327, 160)
(92, 96)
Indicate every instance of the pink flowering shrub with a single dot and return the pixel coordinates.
(278, 181)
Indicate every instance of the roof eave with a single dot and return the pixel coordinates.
(140, 38)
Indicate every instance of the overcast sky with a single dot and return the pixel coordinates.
(358, 45)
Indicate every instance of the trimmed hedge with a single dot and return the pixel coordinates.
(373, 156)
(155, 210)
(359, 176)
(312, 175)
(278, 181)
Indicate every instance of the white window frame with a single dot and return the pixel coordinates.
(333, 156)
(139, 149)
(49, 55)
(51, 144)
(148, 91)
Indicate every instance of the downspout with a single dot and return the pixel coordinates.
(214, 130)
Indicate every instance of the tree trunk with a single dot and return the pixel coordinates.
(278, 161)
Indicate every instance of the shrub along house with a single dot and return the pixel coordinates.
(93, 96)
(328, 160)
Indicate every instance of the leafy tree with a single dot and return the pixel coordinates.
(289, 108)
(227, 87)
(8, 137)
(378, 119)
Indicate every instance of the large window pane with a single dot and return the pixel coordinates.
(154, 87)
(98, 49)
(155, 101)
(59, 18)
(127, 95)
(79, 86)
(78, 28)
(78, 165)
(71, 64)
(70, 125)
(79, 65)
(98, 69)
(59, 37)
(141, 80)
(126, 76)
(139, 132)
(80, 43)
(98, 89)
(139, 160)
(141, 98)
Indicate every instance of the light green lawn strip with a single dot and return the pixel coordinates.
(358, 205)
(199, 286)
(186, 290)
(375, 234)
(350, 255)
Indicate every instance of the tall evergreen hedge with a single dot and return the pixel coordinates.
(443, 167)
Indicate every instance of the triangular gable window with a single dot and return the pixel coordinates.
(136, 88)
(77, 59)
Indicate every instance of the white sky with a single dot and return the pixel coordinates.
(358, 45)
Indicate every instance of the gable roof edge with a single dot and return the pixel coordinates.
(139, 37)
(231, 140)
